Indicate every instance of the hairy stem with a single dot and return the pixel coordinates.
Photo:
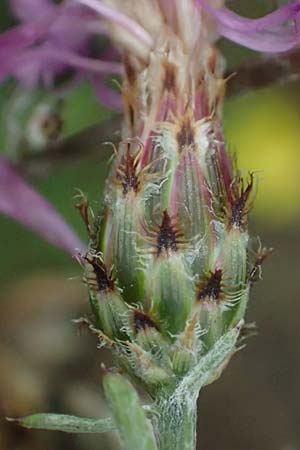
(175, 423)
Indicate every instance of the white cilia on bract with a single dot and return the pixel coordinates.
(167, 266)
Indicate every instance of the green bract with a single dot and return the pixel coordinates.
(168, 267)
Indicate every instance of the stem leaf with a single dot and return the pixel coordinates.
(66, 423)
(135, 430)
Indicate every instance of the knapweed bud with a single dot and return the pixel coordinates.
(168, 267)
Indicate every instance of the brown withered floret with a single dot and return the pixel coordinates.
(169, 83)
(256, 271)
(185, 136)
(213, 61)
(240, 198)
(85, 323)
(97, 275)
(127, 172)
(129, 102)
(83, 207)
(129, 70)
(131, 115)
(211, 288)
(142, 321)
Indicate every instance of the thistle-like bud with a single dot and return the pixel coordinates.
(168, 268)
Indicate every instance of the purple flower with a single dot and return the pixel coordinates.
(275, 32)
(50, 39)
(20, 202)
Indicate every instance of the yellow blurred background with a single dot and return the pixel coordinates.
(263, 128)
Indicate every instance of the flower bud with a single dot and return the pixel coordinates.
(174, 226)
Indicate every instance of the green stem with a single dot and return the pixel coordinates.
(175, 423)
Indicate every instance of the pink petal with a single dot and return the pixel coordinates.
(45, 62)
(270, 33)
(23, 36)
(106, 95)
(270, 22)
(282, 41)
(119, 18)
(74, 26)
(27, 10)
(20, 202)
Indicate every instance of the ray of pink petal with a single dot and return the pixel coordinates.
(26, 10)
(20, 202)
(106, 95)
(121, 19)
(23, 36)
(273, 33)
(230, 19)
(30, 63)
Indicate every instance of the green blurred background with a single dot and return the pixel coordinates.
(47, 365)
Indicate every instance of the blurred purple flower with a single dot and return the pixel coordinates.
(275, 32)
(25, 10)
(20, 202)
(50, 39)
